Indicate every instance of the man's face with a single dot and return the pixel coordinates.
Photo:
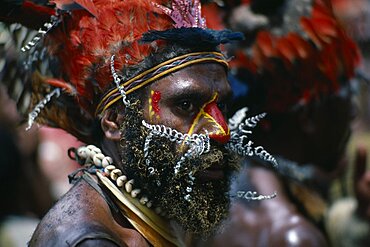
(191, 101)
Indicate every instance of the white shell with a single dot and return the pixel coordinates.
(93, 154)
(99, 156)
(144, 200)
(88, 154)
(82, 152)
(107, 161)
(135, 192)
(121, 180)
(115, 173)
(94, 149)
(96, 161)
(109, 168)
(128, 186)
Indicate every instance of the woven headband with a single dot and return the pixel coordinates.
(157, 72)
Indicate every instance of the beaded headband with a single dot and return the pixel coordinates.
(156, 73)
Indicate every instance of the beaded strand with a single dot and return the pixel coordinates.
(92, 155)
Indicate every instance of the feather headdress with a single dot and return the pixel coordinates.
(298, 53)
(85, 35)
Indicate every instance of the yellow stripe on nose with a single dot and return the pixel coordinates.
(211, 120)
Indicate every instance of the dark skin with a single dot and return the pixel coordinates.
(182, 95)
(275, 222)
(307, 135)
(315, 135)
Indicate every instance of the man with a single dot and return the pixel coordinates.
(146, 82)
(296, 65)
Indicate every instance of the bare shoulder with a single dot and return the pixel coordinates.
(259, 227)
(81, 218)
(274, 222)
(295, 230)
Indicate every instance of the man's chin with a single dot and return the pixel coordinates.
(207, 208)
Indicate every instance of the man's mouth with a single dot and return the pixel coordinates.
(215, 172)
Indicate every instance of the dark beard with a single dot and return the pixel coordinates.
(209, 200)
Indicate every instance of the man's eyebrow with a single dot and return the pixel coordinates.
(191, 93)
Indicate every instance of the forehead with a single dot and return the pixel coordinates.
(204, 79)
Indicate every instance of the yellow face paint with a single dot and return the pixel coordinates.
(155, 97)
(211, 120)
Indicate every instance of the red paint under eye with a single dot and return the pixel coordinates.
(156, 97)
(213, 110)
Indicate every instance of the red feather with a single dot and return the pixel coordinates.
(61, 84)
(317, 59)
(303, 48)
(88, 38)
(213, 15)
(265, 42)
(308, 27)
(287, 51)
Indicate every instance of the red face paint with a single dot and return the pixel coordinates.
(156, 97)
(223, 133)
(211, 119)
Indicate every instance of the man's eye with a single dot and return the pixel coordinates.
(186, 105)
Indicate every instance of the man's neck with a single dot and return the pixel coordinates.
(110, 148)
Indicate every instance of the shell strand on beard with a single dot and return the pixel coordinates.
(173, 135)
(189, 153)
(198, 143)
(253, 121)
(253, 195)
(189, 188)
(239, 141)
(238, 117)
(263, 154)
(146, 153)
(236, 121)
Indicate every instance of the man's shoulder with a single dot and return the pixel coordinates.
(82, 217)
(251, 226)
(81, 213)
(296, 230)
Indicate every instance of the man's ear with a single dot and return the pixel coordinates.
(110, 124)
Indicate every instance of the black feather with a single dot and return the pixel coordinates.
(193, 37)
(7, 7)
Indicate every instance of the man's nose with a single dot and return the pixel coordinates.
(211, 120)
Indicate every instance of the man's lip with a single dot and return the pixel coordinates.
(211, 173)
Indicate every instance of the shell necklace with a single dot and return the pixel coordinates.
(136, 208)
